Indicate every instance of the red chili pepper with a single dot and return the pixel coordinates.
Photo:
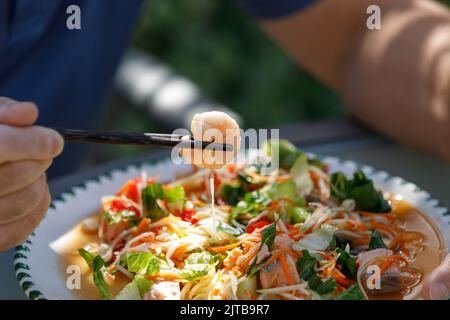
(253, 187)
(117, 250)
(118, 205)
(187, 215)
(264, 221)
(130, 190)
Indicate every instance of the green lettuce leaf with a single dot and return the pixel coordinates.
(198, 265)
(226, 228)
(143, 263)
(135, 290)
(150, 195)
(175, 196)
(116, 217)
(297, 215)
(204, 257)
(319, 240)
(283, 190)
(300, 174)
(96, 263)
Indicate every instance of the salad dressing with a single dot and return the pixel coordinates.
(69, 256)
(427, 260)
(211, 193)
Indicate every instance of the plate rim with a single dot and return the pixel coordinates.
(21, 265)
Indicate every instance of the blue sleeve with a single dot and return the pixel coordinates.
(270, 9)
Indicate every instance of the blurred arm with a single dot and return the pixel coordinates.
(396, 80)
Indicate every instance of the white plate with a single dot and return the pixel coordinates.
(37, 264)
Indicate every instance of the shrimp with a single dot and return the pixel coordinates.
(218, 127)
(164, 290)
(275, 274)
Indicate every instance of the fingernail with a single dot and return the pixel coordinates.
(57, 144)
(439, 291)
(9, 104)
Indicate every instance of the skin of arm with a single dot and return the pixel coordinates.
(396, 80)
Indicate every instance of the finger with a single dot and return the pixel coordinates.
(15, 206)
(17, 175)
(17, 113)
(17, 232)
(437, 284)
(31, 143)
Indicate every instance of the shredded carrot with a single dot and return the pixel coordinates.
(247, 245)
(384, 227)
(284, 267)
(142, 227)
(389, 216)
(246, 262)
(390, 261)
(163, 276)
(143, 240)
(181, 250)
(361, 241)
(314, 177)
(274, 256)
(225, 248)
(232, 257)
(395, 242)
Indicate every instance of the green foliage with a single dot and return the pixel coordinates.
(352, 293)
(361, 189)
(305, 266)
(221, 49)
(96, 263)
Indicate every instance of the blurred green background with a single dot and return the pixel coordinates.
(223, 51)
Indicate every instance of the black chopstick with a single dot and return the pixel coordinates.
(157, 140)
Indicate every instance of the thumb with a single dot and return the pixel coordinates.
(18, 114)
(437, 283)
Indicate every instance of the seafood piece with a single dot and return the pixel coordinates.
(274, 275)
(164, 290)
(218, 127)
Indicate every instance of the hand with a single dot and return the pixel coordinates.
(26, 152)
(437, 284)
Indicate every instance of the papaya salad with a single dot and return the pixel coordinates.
(297, 233)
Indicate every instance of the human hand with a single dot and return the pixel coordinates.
(26, 152)
(437, 284)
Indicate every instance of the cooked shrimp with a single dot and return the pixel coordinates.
(280, 273)
(218, 127)
(164, 290)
